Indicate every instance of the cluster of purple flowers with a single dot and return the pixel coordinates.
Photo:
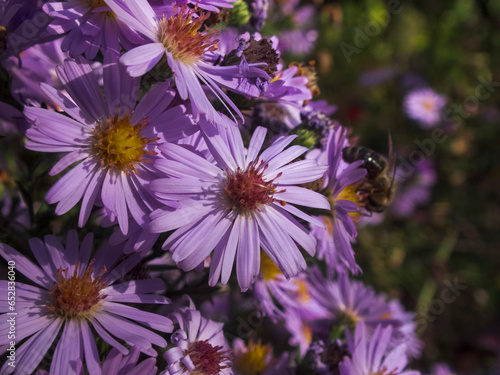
(184, 133)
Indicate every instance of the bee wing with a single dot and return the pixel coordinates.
(391, 156)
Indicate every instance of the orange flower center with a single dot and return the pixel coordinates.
(181, 36)
(77, 296)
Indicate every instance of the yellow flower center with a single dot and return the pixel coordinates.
(76, 297)
(181, 35)
(255, 360)
(302, 293)
(119, 144)
(348, 318)
(307, 332)
(268, 269)
(350, 193)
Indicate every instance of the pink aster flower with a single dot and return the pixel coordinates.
(371, 355)
(351, 302)
(113, 139)
(90, 26)
(336, 237)
(200, 346)
(425, 106)
(51, 306)
(179, 36)
(237, 205)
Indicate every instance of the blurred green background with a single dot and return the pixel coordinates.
(452, 46)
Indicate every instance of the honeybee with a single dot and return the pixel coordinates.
(378, 185)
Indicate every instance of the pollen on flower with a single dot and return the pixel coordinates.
(182, 36)
(76, 296)
(308, 71)
(207, 359)
(119, 144)
(246, 190)
(268, 269)
(302, 292)
(351, 193)
(349, 318)
(255, 360)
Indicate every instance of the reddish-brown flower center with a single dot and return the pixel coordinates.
(181, 35)
(207, 359)
(246, 191)
(76, 296)
(119, 144)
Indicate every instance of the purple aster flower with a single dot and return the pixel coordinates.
(12, 120)
(178, 36)
(406, 331)
(256, 358)
(237, 205)
(90, 26)
(114, 140)
(414, 190)
(272, 289)
(118, 364)
(351, 302)
(259, 15)
(22, 25)
(322, 106)
(334, 241)
(371, 355)
(287, 92)
(298, 42)
(53, 307)
(200, 346)
(424, 106)
(137, 238)
(38, 64)
(301, 331)
(277, 295)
